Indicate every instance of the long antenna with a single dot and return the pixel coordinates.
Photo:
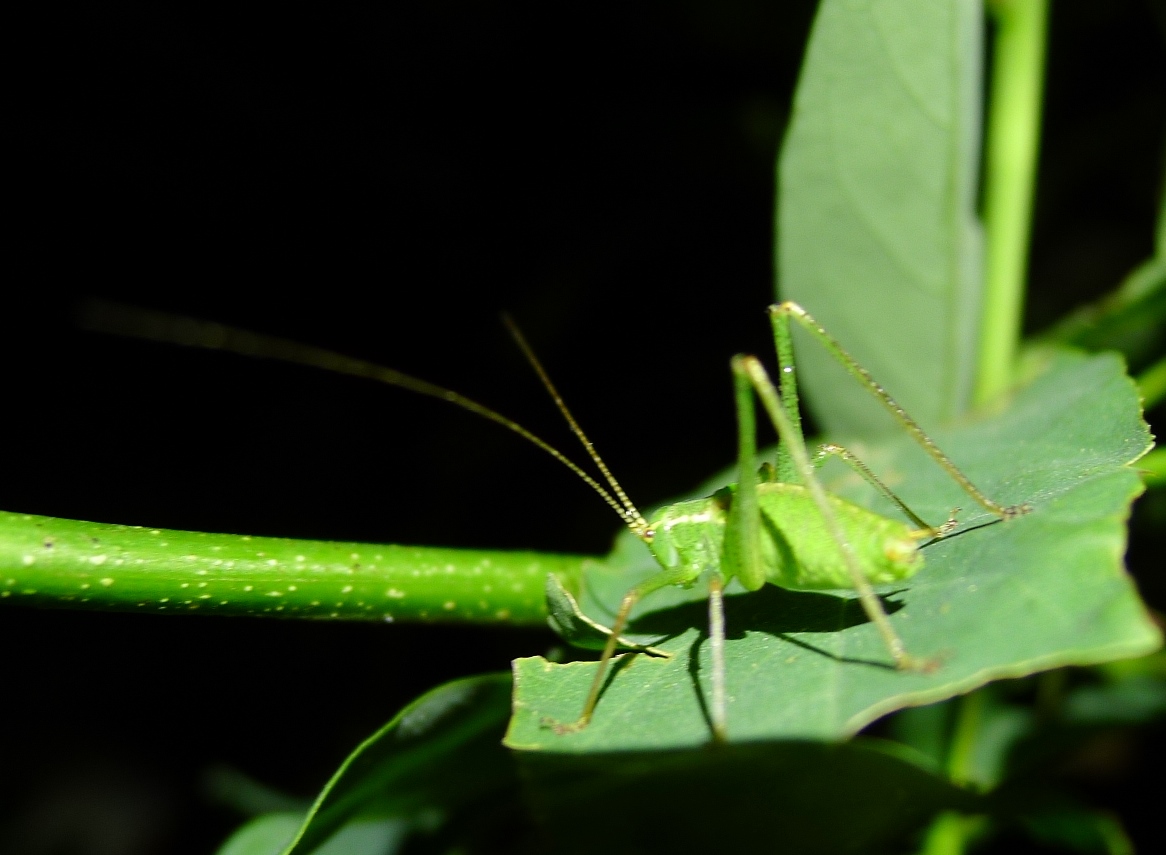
(640, 525)
(119, 319)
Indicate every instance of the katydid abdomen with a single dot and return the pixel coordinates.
(797, 551)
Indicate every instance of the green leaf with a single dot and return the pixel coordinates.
(439, 752)
(993, 600)
(876, 231)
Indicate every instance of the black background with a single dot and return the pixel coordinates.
(384, 179)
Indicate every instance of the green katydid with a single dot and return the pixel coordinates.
(778, 525)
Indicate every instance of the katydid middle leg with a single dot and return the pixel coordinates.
(850, 459)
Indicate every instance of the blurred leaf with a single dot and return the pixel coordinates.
(925, 729)
(994, 600)
(231, 788)
(1080, 830)
(270, 834)
(1135, 700)
(998, 728)
(264, 835)
(790, 797)
(877, 235)
(441, 750)
(1130, 320)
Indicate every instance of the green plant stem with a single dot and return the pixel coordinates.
(969, 713)
(1011, 147)
(50, 562)
(950, 832)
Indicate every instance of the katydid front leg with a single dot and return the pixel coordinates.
(681, 575)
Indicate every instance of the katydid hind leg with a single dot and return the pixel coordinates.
(743, 532)
(788, 386)
(782, 311)
(751, 368)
